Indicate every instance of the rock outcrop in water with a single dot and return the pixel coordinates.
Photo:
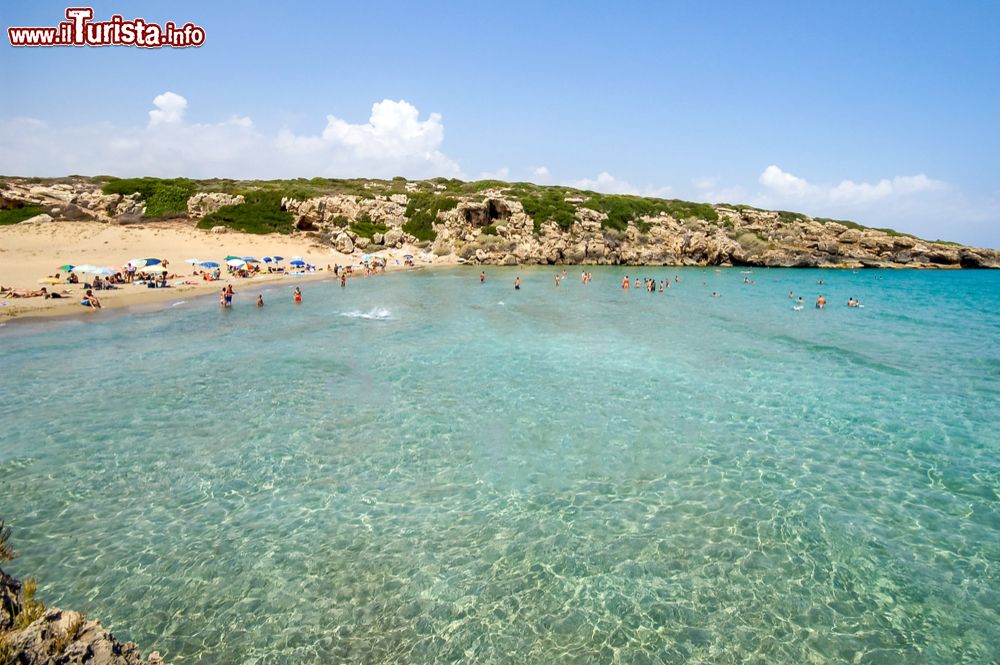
(33, 635)
(508, 224)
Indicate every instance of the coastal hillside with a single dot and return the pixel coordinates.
(487, 222)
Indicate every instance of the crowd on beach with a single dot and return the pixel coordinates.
(155, 273)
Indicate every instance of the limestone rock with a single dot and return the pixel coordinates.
(219, 229)
(205, 203)
(344, 243)
(393, 238)
(38, 219)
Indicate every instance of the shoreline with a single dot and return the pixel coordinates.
(29, 253)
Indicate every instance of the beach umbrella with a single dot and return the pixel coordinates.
(209, 264)
(152, 262)
(193, 261)
(251, 260)
(136, 263)
(104, 271)
(85, 268)
(235, 262)
(268, 259)
(297, 263)
(66, 268)
(278, 258)
(407, 256)
(233, 256)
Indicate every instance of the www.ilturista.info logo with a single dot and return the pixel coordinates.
(80, 30)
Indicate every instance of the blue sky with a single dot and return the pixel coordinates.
(884, 113)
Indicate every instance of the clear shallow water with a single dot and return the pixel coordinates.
(420, 469)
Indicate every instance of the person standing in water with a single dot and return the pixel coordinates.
(517, 283)
(482, 277)
(297, 296)
(343, 279)
(260, 300)
(625, 283)
(820, 302)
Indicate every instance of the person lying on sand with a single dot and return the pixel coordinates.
(12, 293)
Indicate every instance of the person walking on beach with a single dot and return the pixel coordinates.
(297, 296)
(517, 283)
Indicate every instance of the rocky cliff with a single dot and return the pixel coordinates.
(514, 223)
(30, 634)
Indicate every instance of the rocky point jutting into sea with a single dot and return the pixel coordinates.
(32, 634)
(489, 222)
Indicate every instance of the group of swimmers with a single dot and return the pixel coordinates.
(649, 283)
(820, 301)
(226, 297)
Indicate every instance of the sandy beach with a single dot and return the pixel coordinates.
(31, 252)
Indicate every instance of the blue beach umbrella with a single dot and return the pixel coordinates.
(153, 262)
(209, 264)
(297, 262)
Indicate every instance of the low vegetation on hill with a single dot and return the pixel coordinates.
(18, 215)
(163, 197)
(262, 212)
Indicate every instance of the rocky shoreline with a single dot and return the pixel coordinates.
(491, 225)
(30, 634)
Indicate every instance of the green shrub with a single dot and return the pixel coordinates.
(624, 208)
(366, 228)
(6, 549)
(752, 243)
(548, 205)
(260, 213)
(421, 212)
(31, 608)
(490, 230)
(162, 196)
(18, 215)
(790, 217)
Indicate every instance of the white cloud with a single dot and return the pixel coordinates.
(394, 141)
(540, 172)
(609, 184)
(499, 174)
(914, 204)
(170, 108)
(787, 187)
(783, 183)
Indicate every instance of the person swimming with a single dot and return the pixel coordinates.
(820, 302)
(297, 296)
(260, 300)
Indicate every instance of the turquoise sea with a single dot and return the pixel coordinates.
(421, 469)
